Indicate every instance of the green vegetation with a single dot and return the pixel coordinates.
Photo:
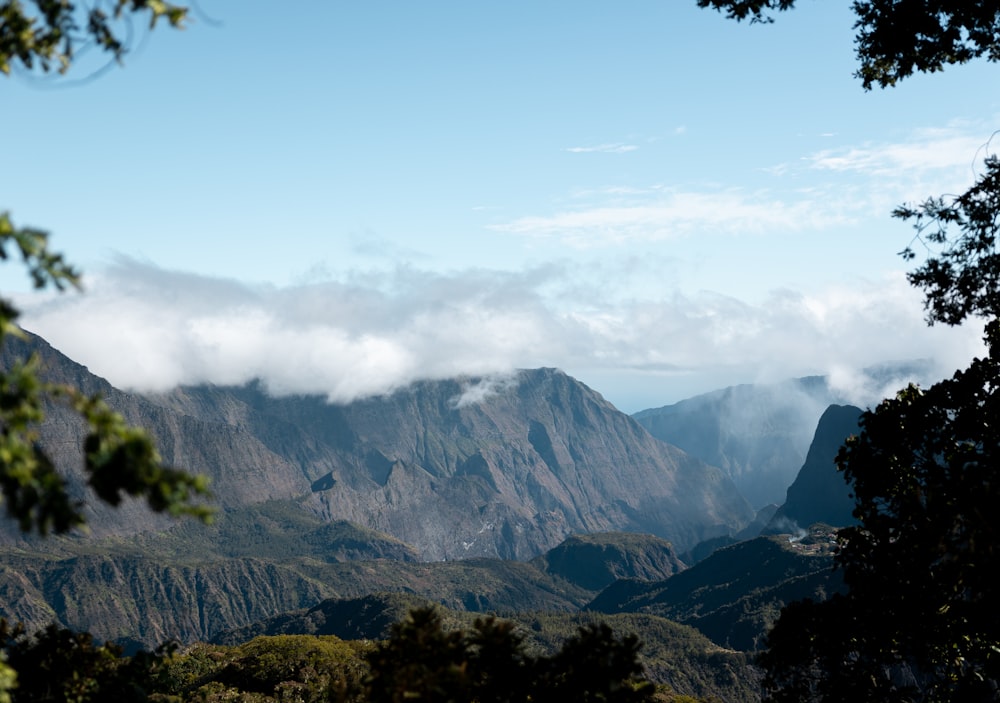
(919, 620)
(59, 665)
(336, 660)
(47, 33)
(734, 596)
(423, 658)
(672, 655)
(897, 39)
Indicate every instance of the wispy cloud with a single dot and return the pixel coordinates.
(935, 151)
(616, 148)
(145, 328)
(825, 189)
(667, 214)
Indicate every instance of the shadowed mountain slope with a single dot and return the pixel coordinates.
(140, 601)
(819, 492)
(597, 560)
(734, 595)
(758, 434)
(195, 582)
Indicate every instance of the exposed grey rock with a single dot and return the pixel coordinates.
(510, 475)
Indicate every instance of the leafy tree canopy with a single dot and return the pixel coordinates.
(898, 38)
(961, 275)
(50, 33)
(919, 621)
(56, 664)
(119, 459)
(422, 661)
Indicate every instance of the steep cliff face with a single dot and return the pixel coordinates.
(819, 492)
(532, 459)
(758, 434)
(476, 467)
(137, 601)
(141, 601)
(243, 470)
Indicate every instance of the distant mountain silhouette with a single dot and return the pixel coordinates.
(758, 434)
(819, 492)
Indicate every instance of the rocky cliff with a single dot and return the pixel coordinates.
(509, 474)
(819, 492)
(758, 434)
(464, 468)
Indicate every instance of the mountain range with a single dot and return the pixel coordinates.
(528, 493)
(509, 474)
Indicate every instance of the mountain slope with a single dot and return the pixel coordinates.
(594, 561)
(453, 468)
(758, 434)
(734, 595)
(141, 601)
(539, 457)
(192, 585)
(243, 470)
(819, 492)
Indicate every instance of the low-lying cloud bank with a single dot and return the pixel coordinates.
(148, 329)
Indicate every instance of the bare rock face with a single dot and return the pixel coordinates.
(243, 470)
(134, 601)
(509, 475)
(476, 467)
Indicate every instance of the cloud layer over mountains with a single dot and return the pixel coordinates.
(365, 334)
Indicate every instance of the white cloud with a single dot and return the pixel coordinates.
(666, 214)
(826, 189)
(616, 148)
(927, 162)
(929, 151)
(150, 329)
(474, 392)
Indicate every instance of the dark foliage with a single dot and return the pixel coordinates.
(961, 276)
(49, 33)
(919, 621)
(56, 664)
(895, 38)
(422, 661)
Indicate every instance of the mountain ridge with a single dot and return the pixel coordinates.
(533, 460)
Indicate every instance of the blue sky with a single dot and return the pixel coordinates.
(343, 197)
